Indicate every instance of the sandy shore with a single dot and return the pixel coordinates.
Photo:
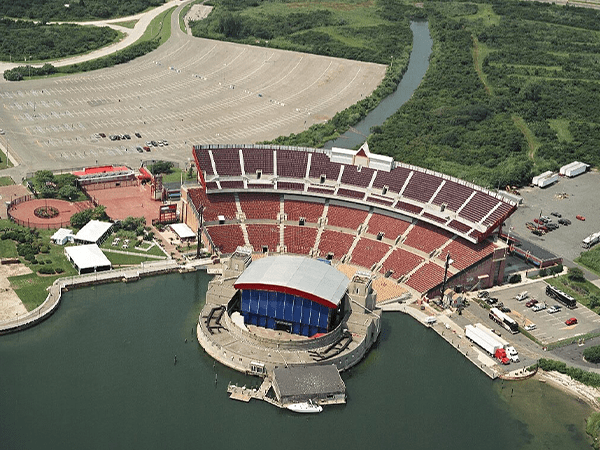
(10, 305)
(565, 383)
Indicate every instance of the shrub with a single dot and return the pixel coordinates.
(575, 274)
(48, 261)
(516, 278)
(592, 354)
(46, 270)
(59, 270)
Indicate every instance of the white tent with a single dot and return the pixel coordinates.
(93, 232)
(87, 258)
(183, 231)
(62, 236)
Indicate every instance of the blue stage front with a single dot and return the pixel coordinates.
(277, 310)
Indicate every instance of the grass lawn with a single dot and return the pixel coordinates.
(118, 259)
(579, 290)
(154, 251)
(176, 175)
(31, 288)
(6, 181)
(590, 259)
(127, 23)
(160, 28)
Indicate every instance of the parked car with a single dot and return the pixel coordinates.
(537, 232)
(580, 218)
(571, 321)
(531, 302)
(138, 135)
(564, 221)
(530, 327)
(538, 307)
(505, 309)
(146, 148)
(126, 136)
(491, 300)
(552, 226)
(554, 309)
(102, 135)
(522, 296)
(139, 149)
(555, 214)
(483, 294)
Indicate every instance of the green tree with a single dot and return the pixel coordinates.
(68, 192)
(575, 274)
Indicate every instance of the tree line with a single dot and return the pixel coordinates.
(47, 10)
(25, 40)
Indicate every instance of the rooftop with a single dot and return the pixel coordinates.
(305, 277)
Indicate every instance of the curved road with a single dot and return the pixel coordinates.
(132, 35)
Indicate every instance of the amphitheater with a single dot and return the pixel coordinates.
(357, 209)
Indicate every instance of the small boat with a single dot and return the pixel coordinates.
(305, 407)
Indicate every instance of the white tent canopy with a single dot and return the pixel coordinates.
(183, 231)
(87, 258)
(93, 231)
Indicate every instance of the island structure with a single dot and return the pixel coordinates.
(289, 318)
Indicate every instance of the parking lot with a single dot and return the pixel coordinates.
(189, 91)
(549, 327)
(579, 199)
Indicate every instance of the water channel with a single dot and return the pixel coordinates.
(417, 67)
(101, 373)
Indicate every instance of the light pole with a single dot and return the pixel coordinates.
(448, 262)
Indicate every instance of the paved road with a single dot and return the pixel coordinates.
(188, 91)
(132, 35)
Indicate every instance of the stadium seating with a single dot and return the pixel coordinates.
(426, 277)
(343, 192)
(422, 186)
(289, 186)
(452, 194)
(340, 216)
(299, 240)
(368, 252)
(353, 177)
(335, 242)
(257, 160)
(309, 210)
(226, 237)
(426, 237)
(227, 161)
(291, 163)
(260, 205)
(391, 227)
(261, 235)
(394, 179)
(465, 253)
(321, 165)
(232, 184)
(215, 205)
(401, 263)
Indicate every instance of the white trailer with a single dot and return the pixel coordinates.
(547, 181)
(491, 334)
(591, 240)
(510, 350)
(539, 177)
(486, 342)
(573, 169)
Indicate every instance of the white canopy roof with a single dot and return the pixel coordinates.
(61, 233)
(87, 256)
(182, 230)
(93, 231)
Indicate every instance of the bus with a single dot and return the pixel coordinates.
(562, 297)
(503, 320)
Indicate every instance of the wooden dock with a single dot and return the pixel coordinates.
(244, 394)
